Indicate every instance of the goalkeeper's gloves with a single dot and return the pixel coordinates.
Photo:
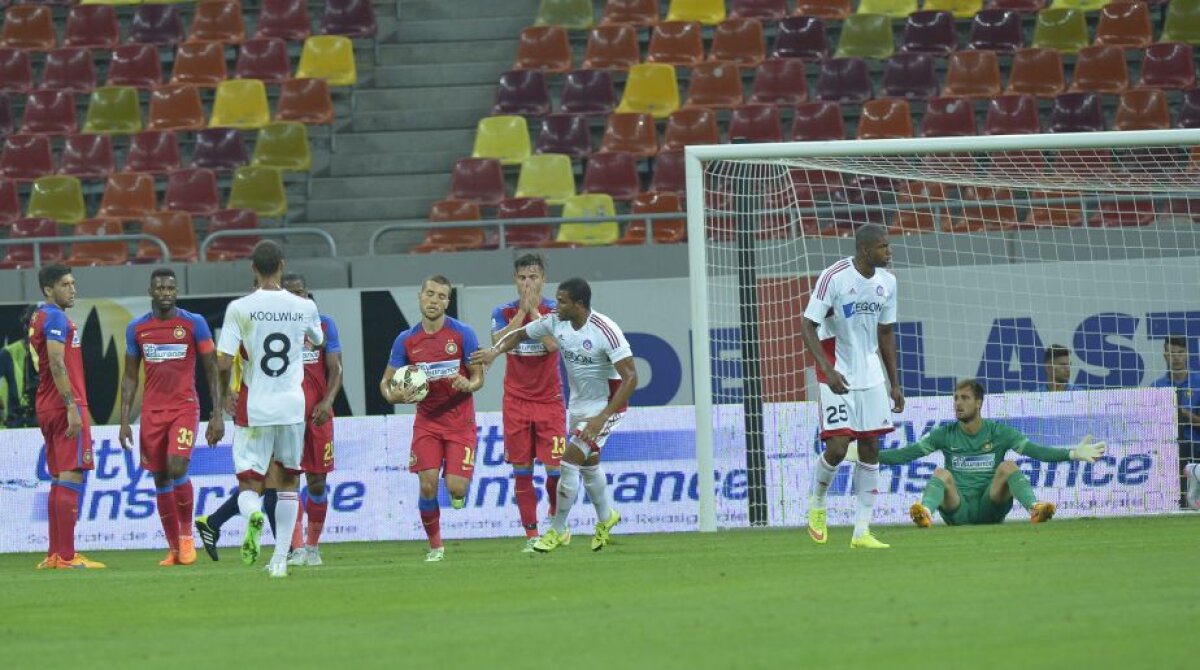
(1088, 451)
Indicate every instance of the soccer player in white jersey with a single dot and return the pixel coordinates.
(270, 325)
(854, 306)
(602, 377)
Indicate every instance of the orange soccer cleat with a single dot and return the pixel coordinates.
(50, 562)
(920, 515)
(187, 550)
(1041, 512)
(171, 559)
(80, 562)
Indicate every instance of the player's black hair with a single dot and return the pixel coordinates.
(869, 234)
(577, 290)
(1175, 341)
(975, 385)
(1054, 351)
(293, 277)
(49, 275)
(437, 279)
(267, 258)
(27, 317)
(161, 272)
(527, 260)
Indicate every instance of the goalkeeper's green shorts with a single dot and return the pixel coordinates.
(976, 508)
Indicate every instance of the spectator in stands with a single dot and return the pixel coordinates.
(1187, 389)
(1057, 363)
(18, 378)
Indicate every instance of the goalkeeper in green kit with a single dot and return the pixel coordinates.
(977, 486)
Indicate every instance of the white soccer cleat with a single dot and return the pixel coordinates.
(298, 557)
(313, 556)
(277, 569)
(435, 555)
(1193, 485)
(528, 548)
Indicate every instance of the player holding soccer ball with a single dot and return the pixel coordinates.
(854, 306)
(444, 430)
(977, 486)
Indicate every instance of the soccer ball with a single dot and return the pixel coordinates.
(412, 377)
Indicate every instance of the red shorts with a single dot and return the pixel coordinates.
(63, 453)
(451, 455)
(318, 447)
(534, 429)
(167, 433)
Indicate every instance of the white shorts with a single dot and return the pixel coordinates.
(256, 446)
(859, 413)
(577, 421)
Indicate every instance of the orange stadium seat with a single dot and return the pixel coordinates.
(543, 48)
(91, 254)
(715, 84)
(634, 12)
(1125, 24)
(175, 107)
(305, 101)
(739, 41)
(972, 74)
(200, 64)
(676, 43)
(218, 21)
(1102, 69)
(128, 195)
(612, 48)
(28, 27)
(824, 9)
(1037, 71)
(670, 231)
(885, 119)
(691, 126)
(632, 133)
(452, 238)
(176, 231)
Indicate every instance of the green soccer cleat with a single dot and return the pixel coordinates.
(817, 528)
(548, 542)
(528, 548)
(458, 503)
(867, 541)
(435, 555)
(600, 539)
(209, 536)
(250, 545)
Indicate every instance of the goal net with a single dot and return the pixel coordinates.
(1023, 261)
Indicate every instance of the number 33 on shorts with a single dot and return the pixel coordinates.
(186, 438)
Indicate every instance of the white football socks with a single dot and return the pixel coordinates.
(819, 486)
(866, 476)
(249, 502)
(568, 491)
(287, 508)
(596, 485)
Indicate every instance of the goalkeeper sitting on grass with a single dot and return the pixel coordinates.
(977, 486)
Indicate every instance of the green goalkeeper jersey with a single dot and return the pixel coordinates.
(972, 459)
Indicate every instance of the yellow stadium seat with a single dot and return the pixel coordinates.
(866, 36)
(283, 145)
(1081, 5)
(546, 176)
(897, 9)
(58, 198)
(259, 189)
(572, 14)
(961, 9)
(1062, 29)
(242, 104)
(110, 2)
(502, 137)
(589, 234)
(650, 89)
(114, 109)
(328, 57)
(1182, 22)
(708, 12)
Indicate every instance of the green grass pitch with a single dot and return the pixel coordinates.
(1069, 594)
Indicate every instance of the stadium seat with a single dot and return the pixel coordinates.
(573, 14)
(1169, 65)
(305, 101)
(220, 150)
(612, 173)
(801, 37)
(981, 213)
(925, 219)
(87, 156)
(835, 10)
(885, 119)
(349, 18)
(56, 197)
(843, 80)
(452, 238)
(972, 74)
(175, 230)
(328, 57)
(708, 12)
(478, 180)
(1037, 71)
(1143, 109)
(667, 176)
(714, 84)
(49, 113)
(632, 133)
(676, 43)
(263, 59)
(651, 88)
(199, 64)
(1077, 113)
(996, 30)
(818, 121)
(1062, 29)
(910, 76)
(505, 138)
(1048, 210)
(588, 234)
(543, 48)
(670, 231)
(232, 248)
(156, 24)
(16, 71)
(283, 145)
(1012, 115)
(739, 41)
(1102, 69)
(525, 236)
(691, 126)
(69, 70)
(930, 33)
(612, 48)
(259, 189)
(28, 27)
(522, 92)
(152, 151)
(587, 92)
(1181, 22)
(93, 26)
(546, 176)
(136, 65)
(896, 9)
(10, 203)
(218, 21)
(193, 191)
(114, 109)
(1081, 5)
(128, 195)
(175, 107)
(755, 123)
(948, 117)
(961, 9)
(1125, 24)
(240, 103)
(26, 157)
(564, 134)
(633, 12)
(283, 19)
(780, 81)
(866, 36)
(770, 10)
(7, 123)
(21, 256)
(1023, 6)
(92, 254)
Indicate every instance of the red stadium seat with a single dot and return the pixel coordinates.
(780, 81)
(49, 113)
(92, 26)
(452, 238)
(128, 195)
(972, 74)
(175, 107)
(156, 24)
(16, 71)
(632, 133)
(265, 59)
(153, 152)
(136, 65)
(818, 122)
(948, 117)
(92, 254)
(885, 119)
(176, 231)
(635, 12)
(1169, 65)
(691, 126)
(350, 18)
(525, 236)
(69, 70)
(715, 84)
(739, 41)
(219, 150)
(28, 27)
(1101, 69)
(1125, 24)
(588, 92)
(305, 101)
(284, 19)
(669, 231)
(755, 123)
(478, 180)
(1037, 71)
(676, 43)
(200, 64)
(824, 9)
(612, 48)
(26, 157)
(192, 191)
(10, 202)
(1012, 115)
(21, 256)
(232, 248)
(88, 156)
(218, 21)
(668, 172)
(613, 173)
(564, 134)
(1143, 109)
(543, 48)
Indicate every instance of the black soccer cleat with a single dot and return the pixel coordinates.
(209, 536)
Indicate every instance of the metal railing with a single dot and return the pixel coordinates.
(268, 232)
(37, 243)
(501, 224)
